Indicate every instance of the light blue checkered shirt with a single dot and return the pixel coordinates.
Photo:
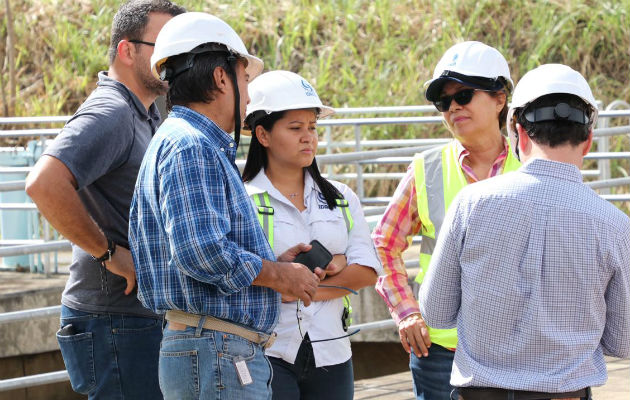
(533, 268)
(194, 235)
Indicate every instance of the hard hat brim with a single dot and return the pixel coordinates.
(434, 86)
(324, 112)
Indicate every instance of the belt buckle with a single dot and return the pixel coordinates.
(270, 340)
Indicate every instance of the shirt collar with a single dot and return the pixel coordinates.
(556, 169)
(218, 137)
(152, 113)
(463, 152)
(497, 165)
(261, 184)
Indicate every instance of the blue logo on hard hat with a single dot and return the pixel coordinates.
(454, 60)
(308, 89)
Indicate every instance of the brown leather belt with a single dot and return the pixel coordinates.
(474, 393)
(220, 325)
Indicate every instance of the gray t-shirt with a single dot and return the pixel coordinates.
(103, 145)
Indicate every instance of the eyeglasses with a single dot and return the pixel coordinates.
(462, 98)
(141, 42)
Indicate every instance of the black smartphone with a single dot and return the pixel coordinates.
(317, 256)
(67, 330)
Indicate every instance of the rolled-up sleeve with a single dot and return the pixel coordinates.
(360, 248)
(193, 205)
(391, 237)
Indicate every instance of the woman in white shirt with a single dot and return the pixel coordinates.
(282, 115)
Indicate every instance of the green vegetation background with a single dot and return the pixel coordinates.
(355, 52)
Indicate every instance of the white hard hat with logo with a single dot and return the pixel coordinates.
(187, 31)
(550, 79)
(283, 90)
(194, 33)
(473, 64)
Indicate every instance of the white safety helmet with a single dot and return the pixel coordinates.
(283, 90)
(194, 33)
(187, 31)
(550, 79)
(473, 64)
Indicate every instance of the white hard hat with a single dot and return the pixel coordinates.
(471, 63)
(186, 31)
(549, 79)
(283, 90)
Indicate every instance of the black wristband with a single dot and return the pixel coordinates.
(107, 256)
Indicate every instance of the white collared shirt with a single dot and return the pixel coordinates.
(322, 319)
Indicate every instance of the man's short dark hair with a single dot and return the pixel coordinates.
(132, 18)
(556, 132)
(196, 85)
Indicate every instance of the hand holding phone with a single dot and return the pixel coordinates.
(317, 256)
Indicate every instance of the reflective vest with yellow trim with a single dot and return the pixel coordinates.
(439, 177)
(265, 217)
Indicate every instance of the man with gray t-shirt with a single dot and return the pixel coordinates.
(83, 185)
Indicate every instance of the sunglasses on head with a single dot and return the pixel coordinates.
(462, 98)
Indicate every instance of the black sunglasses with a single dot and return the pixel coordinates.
(141, 42)
(462, 98)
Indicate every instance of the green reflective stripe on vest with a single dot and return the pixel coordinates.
(265, 214)
(438, 178)
(344, 206)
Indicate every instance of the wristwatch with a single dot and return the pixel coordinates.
(107, 256)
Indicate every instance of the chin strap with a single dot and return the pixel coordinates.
(232, 60)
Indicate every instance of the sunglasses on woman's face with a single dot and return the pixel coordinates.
(462, 98)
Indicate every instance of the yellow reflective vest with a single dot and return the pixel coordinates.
(438, 178)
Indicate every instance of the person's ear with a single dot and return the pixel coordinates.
(262, 135)
(501, 101)
(524, 141)
(220, 79)
(125, 53)
(588, 143)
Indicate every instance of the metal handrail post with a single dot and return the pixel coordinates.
(603, 145)
(328, 138)
(359, 166)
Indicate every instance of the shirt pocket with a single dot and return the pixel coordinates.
(329, 228)
(287, 232)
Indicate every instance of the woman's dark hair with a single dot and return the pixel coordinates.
(504, 111)
(556, 132)
(257, 157)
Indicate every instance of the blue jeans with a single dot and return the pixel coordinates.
(111, 356)
(198, 363)
(432, 374)
(302, 380)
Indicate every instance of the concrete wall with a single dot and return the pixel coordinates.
(30, 347)
(33, 336)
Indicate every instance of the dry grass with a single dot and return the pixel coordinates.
(356, 52)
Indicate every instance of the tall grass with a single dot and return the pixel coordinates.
(356, 52)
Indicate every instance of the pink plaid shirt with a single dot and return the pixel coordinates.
(399, 225)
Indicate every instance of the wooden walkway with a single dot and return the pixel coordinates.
(399, 386)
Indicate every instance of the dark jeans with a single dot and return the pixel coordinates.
(111, 356)
(432, 374)
(303, 381)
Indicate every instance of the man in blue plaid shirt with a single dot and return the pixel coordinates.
(533, 267)
(200, 254)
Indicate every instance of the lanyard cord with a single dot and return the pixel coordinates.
(299, 318)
